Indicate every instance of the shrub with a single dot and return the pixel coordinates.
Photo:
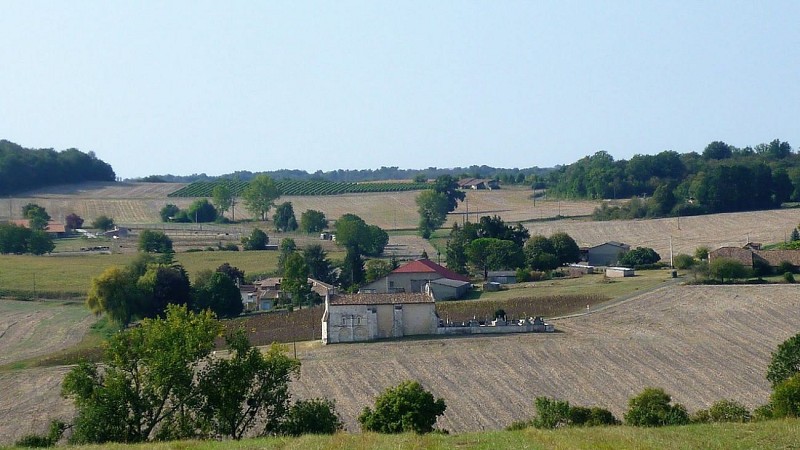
(683, 261)
(315, 416)
(785, 399)
(257, 240)
(518, 425)
(728, 411)
(54, 434)
(523, 275)
(406, 407)
(763, 412)
(551, 413)
(652, 408)
(785, 361)
(600, 417)
(788, 277)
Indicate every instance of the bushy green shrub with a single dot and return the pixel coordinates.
(551, 413)
(652, 408)
(683, 261)
(785, 399)
(518, 425)
(728, 411)
(788, 277)
(315, 416)
(406, 407)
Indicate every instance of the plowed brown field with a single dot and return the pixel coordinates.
(700, 343)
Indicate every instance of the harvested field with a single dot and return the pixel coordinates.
(30, 329)
(688, 233)
(700, 343)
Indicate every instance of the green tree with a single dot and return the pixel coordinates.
(652, 408)
(36, 215)
(147, 382)
(234, 273)
(284, 217)
(701, 253)
(727, 268)
(491, 254)
(353, 233)
(104, 223)
(313, 221)
(219, 294)
(249, 388)
(639, 256)
(152, 241)
(169, 212)
(448, 186)
(14, 238)
(288, 247)
(222, 197)
(201, 211)
(319, 267)
(314, 416)
(785, 398)
(260, 195)
(375, 269)
(114, 292)
(40, 242)
(295, 279)
(352, 271)
(408, 407)
(540, 254)
(785, 361)
(433, 208)
(257, 240)
(160, 286)
(566, 249)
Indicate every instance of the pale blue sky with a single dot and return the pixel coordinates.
(219, 86)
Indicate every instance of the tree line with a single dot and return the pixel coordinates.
(722, 178)
(26, 168)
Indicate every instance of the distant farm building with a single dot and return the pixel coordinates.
(478, 183)
(415, 276)
(53, 228)
(364, 317)
(619, 272)
(502, 276)
(606, 254)
(748, 255)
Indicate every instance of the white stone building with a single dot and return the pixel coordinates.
(364, 317)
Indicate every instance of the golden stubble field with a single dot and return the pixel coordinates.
(700, 343)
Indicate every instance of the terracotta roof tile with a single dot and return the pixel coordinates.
(428, 266)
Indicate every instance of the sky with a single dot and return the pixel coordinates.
(183, 87)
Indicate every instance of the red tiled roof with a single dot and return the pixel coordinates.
(428, 266)
(380, 299)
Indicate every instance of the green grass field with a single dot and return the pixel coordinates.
(62, 276)
(775, 434)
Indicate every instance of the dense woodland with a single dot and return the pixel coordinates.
(723, 178)
(25, 168)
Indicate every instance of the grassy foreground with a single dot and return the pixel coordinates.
(761, 435)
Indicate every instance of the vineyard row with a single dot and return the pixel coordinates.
(298, 187)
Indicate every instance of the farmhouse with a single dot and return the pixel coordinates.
(748, 255)
(606, 254)
(415, 276)
(53, 228)
(363, 317)
(264, 294)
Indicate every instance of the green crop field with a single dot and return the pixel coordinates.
(299, 187)
(69, 276)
